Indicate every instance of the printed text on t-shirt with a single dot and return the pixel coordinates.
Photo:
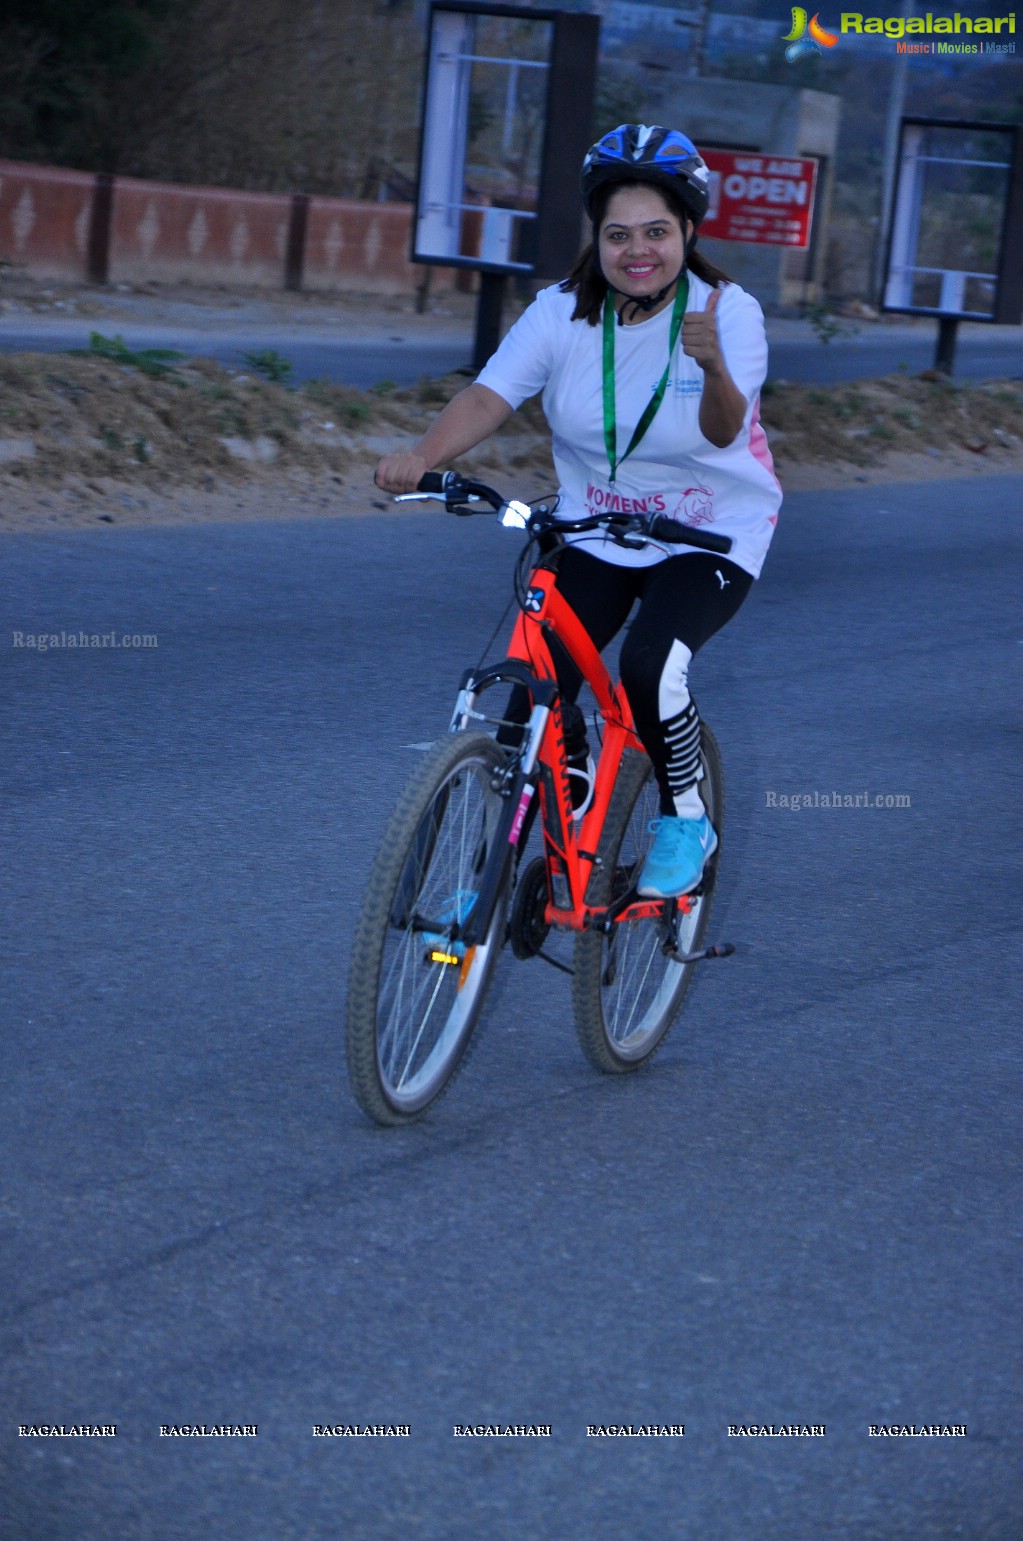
(695, 506)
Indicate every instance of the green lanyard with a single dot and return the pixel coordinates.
(610, 407)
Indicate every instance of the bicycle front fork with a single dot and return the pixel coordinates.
(516, 785)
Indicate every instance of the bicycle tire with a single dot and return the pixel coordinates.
(410, 1019)
(626, 992)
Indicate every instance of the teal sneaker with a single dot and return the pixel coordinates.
(455, 911)
(675, 861)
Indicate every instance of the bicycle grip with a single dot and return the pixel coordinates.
(675, 534)
(433, 482)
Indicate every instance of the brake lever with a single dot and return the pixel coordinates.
(624, 538)
(630, 537)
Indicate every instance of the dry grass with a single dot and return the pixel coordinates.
(70, 420)
(863, 422)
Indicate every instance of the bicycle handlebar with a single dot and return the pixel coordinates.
(626, 529)
(674, 534)
(433, 482)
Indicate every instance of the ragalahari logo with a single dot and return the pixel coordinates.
(970, 34)
(806, 37)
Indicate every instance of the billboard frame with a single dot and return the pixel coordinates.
(1007, 308)
(567, 130)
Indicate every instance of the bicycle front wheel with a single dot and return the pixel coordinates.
(416, 991)
(626, 990)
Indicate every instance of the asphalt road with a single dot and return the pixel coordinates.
(797, 355)
(807, 1209)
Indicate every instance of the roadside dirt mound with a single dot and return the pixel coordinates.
(142, 424)
(868, 420)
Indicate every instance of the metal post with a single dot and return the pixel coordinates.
(294, 251)
(893, 117)
(698, 51)
(944, 354)
(101, 216)
(488, 316)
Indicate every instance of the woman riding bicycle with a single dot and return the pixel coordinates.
(603, 347)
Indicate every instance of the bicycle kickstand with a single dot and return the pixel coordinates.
(670, 944)
(719, 950)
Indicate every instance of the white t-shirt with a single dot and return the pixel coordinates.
(673, 470)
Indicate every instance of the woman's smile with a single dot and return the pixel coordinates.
(642, 244)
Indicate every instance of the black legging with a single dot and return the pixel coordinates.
(684, 600)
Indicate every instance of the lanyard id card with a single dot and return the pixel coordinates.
(650, 411)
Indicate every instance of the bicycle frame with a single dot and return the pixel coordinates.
(570, 846)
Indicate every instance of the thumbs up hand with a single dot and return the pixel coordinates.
(722, 404)
(700, 336)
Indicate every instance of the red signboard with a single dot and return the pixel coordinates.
(767, 199)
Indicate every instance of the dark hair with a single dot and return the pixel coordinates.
(587, 282)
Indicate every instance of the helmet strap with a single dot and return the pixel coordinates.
(648, 301)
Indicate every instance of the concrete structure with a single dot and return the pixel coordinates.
(57, 223)
(75, 226)
(165, 233)
(773, 120)
(45, 219)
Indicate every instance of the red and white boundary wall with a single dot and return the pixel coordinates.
(72, 225)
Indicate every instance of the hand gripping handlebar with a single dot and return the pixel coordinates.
(627, 529)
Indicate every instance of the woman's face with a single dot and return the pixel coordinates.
(641, 242)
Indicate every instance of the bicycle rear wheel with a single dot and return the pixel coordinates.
(415, 991)
(626, 991)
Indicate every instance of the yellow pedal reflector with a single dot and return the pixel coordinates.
(439, 956)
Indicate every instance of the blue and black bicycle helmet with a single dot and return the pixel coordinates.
(632, 152)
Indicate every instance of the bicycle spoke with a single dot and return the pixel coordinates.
(399, 1081)
(413, 1013)
(636, 987)
(627, 988)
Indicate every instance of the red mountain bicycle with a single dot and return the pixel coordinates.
(438, 906)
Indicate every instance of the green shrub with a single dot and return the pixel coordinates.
(270, 364)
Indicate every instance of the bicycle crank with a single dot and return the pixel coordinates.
(527, 925)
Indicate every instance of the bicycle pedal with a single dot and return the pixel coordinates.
(450, 953)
